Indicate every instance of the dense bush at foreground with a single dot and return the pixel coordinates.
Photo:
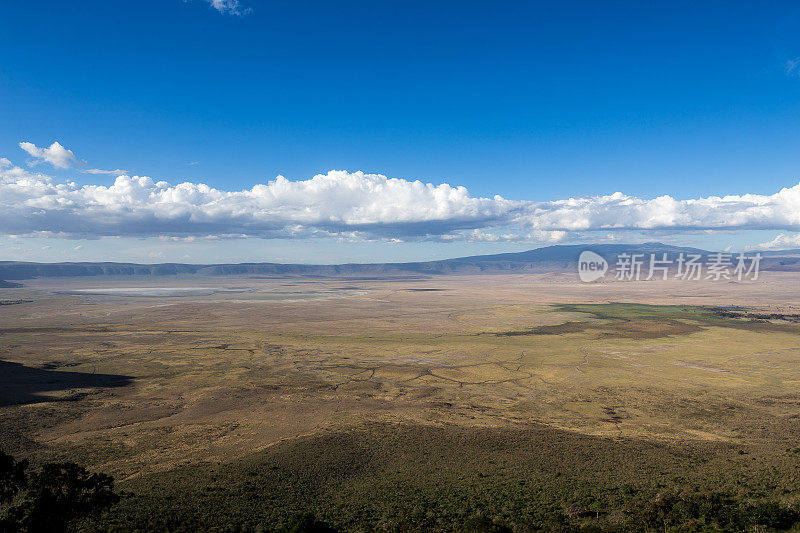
(409, 478)
(57, 497)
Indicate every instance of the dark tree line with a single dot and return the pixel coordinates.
(51, 498)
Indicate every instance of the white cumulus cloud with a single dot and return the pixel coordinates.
(358, 205)
(55, 154)
(332, 203)
(781, 242)
(619, 211)
(60, 157)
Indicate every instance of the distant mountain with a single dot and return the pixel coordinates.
(570, 253)
(558, 258)
(781, 253)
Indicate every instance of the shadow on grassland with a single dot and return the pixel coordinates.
(20, 384)
(422, 478)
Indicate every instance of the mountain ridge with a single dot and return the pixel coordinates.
(555, 258)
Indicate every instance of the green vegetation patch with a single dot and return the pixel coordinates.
(643, 321)
(411, 478)
(633, 311)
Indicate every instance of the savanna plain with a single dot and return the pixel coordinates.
(453, 403)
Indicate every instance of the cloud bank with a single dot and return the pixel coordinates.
(336, 203)
(353, 205)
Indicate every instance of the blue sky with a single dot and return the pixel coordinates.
(535, 102)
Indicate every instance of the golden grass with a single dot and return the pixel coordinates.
(216, 378)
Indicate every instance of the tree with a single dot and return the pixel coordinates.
(307, 523)
(54, 497)
(12, 477)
